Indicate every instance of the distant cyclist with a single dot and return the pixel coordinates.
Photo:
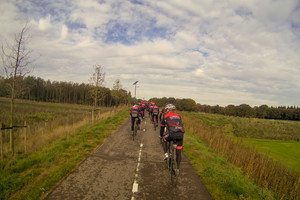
(174, 131)
(155, 112)
(143, 108)
(150, 109)
(135, 113)
(162, 113)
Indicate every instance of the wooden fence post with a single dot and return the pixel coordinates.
(11, 140)
(93, 116)
(25, 137)
(1, 138)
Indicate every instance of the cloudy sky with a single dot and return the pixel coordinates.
(213, 51)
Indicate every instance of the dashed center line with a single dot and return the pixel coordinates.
(135, 185)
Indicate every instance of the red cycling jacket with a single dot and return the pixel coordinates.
(135, 111)
(173, 122)
(155, 110)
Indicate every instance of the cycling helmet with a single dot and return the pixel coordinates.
(170, 107)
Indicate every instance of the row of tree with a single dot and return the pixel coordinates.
(243, 110)
(180, 104)
(37, 89)
(263, 111)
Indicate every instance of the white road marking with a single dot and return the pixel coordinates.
(137, 168)
(135, 185)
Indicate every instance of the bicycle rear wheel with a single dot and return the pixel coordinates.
(135, 129)
(154, 123)
(168, 160)
(173, 166)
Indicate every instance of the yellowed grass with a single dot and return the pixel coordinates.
(43, 134)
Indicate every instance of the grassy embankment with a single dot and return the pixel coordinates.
(226, 137)
(30, 176)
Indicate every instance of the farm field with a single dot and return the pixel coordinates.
(35, 112)
(252, 127)
(45, 122)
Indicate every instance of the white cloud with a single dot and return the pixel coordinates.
(64, 32)
(9, 16)
(44, 23)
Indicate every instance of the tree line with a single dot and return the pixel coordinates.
(243, 110)
(263, 111)
(37, 89)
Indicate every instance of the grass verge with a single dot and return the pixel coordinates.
(222, 179)
(32, 176)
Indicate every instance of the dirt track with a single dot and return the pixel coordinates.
(125, 169)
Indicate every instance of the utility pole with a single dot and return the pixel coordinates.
(135, 88)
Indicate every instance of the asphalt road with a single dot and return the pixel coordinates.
(125, 169)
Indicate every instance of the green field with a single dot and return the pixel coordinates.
(285, 151)
(252, 127)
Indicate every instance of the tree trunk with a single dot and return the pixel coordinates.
(1, 142)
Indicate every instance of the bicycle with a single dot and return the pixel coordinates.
(171, 162)
(142, 114)
(136, 127)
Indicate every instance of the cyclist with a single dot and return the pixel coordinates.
(174, 131)
(150, 109)
(135, 113)
(155, 112)
(143, 107)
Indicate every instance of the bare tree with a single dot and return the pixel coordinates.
(116, 92)
(16, 61)
(117, 85)
(97, 80)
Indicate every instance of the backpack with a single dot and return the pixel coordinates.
(134, 114)
(155, 111)
(175, 128)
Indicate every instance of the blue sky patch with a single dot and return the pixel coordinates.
(75, 25)
(126, 33)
